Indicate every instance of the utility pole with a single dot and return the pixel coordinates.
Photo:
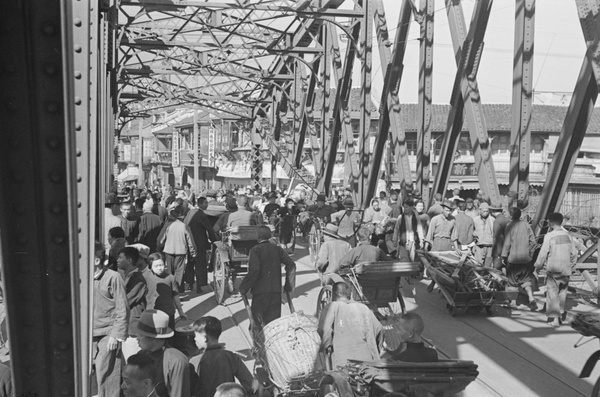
(196, 157)
(140, 153)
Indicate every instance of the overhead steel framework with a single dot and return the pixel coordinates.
(73, 72)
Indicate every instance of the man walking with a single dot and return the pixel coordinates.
(462, 236)
(128, 223)
(149, 227)
(484, 235)
(331, 252)
(203, 235)
(441, 228)
(176, 242)
(264, 277)
(111, 314)
(558, 255)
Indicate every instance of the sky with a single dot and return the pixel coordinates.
(559, 51)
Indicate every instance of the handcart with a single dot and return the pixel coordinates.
(464, 283)
(230, 258)
(433, 379)
(376, 284)
(287, 355)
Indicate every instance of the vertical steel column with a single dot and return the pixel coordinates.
(392, 64)
(257, 163)
(140, 152)
(297, 109)
(466, 97)
(365, 99)
(425, 99)
(305, 110)
(576, 120)
(38, 192)
(196, 148)
(274, 117)
(326, 95)
(520, 137)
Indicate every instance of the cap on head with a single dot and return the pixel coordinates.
(331, 230)
(348, 202)
(448, 204)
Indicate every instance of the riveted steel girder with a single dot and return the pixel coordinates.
(466, 98)
(520, 136)
(390, 117)
(577, 117)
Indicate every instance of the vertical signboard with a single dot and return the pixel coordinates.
(175, 157)
(211, 147)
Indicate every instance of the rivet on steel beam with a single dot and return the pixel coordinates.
(79, 204)
(11, 106)
(77, 100)
(54, 142)
(48, 29)
(77, 49)
(59, 240)
(55, 177)
(79, 231)
(52, 106)
(77, 127)
(78, 153)
(50, 69)
(77, 75)
(77, 22)
(57, 209)
(79, 178)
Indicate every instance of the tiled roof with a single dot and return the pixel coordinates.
(498, 117)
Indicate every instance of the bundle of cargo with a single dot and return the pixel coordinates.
(464, 282)
(442, 378)
(587, 324)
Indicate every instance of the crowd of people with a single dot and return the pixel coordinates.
(158, 246)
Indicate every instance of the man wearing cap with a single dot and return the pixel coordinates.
(471, 210)
(462, 235)
(321, 210)
(405, 239)
(363, 252)
(264, 277)
(172, 367)
(484, 235)
(223, 222)
(331, 252)
(347, 220)
(500, 223)
(271, 207)
(176, 242)
(110, 220)
(149, 227)
(110, 318)
(439, 235)
(395, 204)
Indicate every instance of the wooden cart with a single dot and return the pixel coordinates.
(464, 284)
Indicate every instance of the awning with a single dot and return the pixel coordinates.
(130, 178)
(130, 174)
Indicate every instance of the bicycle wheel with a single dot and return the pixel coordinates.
(220, 276)
(325, 297)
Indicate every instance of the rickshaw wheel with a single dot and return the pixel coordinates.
(337, 388)
(220, 276)
(325, 297)
(313, 245)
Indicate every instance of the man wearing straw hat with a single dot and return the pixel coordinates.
(171, 364)
(264, 277)
(332, 250)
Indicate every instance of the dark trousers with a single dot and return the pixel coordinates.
(176, 266)
(197, 268)
(266, 307)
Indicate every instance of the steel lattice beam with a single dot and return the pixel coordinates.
(364, 126)
(466, 98)
(577, 117)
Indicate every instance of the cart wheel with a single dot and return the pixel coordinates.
(453, 310)
(325, 297)
(335, 386)
(220, 276)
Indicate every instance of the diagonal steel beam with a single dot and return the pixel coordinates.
(465, 98)
(341, 115)
(577, 117)
(392, 64)
(365, 99)
(520, 137)
(307, 119)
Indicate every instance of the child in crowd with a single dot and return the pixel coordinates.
(163, 293)
(217, 365)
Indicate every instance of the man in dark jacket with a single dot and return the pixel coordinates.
(264, 277)
(149, 227)
(203, 235)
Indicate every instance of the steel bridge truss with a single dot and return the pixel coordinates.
(73, 72)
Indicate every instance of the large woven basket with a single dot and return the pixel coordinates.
(290, 348)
